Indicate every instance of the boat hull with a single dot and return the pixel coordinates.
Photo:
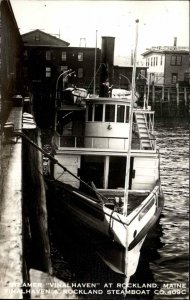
(108, 231)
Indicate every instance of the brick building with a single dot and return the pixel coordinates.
(45, 58)
(11, 49)
(168, 65)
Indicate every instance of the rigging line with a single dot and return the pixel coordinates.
(95, 75)
(99, 206)
(55, 161)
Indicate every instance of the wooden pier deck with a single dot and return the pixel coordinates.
(11, 239)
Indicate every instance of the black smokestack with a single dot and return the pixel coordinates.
(107, 59)
(175, 42)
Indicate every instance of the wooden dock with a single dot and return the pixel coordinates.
(11, 239)
(24, 241)
(169, 101)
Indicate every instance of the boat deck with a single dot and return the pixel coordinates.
(117, 197)
(112, 199)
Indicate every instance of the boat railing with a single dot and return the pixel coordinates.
(94, 142)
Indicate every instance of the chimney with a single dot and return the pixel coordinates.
(175, 41)
(107, 60)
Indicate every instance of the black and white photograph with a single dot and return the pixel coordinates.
(94, 149)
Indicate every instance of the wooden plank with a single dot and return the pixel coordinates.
(11, 243)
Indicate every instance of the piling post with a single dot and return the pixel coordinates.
(177, 97)
(162, 101)
(185, 99)
(153, 95)
(169, 111)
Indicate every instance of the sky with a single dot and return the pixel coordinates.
(84, 22)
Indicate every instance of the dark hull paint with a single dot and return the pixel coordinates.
(108, 249)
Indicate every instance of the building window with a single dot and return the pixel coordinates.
(37, 37)
(63, 56)
(142, 72)
(98, 113)
(186, 77)
(48, 55)
(25, 53)
(176, 60)
(80, 72)
(151, 61)
(120, 113)
(48, 72)
(161, 60)
(64, 68)
(156, 61)
(174, 77)
(80, 56)
(110, 113)
(152, 76)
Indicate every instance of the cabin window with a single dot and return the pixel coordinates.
(63, 56)
(110, 113)
(98, 113)
(127, 115)
(90, 107)
(120, 113)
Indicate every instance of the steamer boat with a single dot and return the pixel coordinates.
(107, 179)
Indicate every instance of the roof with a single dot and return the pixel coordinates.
(166, 49)
(45, 38)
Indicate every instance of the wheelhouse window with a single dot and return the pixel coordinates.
(48, 72)
(98, 112)
(120, 113)
(127, 115)
(63, 56)
(80, 56)
(90, 109)
(109, 113)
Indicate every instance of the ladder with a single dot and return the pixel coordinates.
(143, 130)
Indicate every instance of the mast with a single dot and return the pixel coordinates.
(94, 87)
(126, 190)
